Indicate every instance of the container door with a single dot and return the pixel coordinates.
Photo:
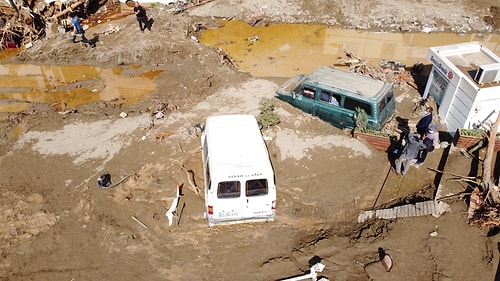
(259, 199)
(227, 206)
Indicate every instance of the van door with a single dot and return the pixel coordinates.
(258, 200)
(386, 108)
(350, 105)
(228, 203)
(304, 99)
(328, 108)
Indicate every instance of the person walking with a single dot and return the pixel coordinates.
(431, 141)
(409, 153)
(424, 122)
(142, 18)
(78, 30)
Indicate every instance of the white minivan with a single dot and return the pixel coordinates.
(239, 177)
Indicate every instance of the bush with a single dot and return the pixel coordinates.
(480, 133)
(267, 117)
(361, 119)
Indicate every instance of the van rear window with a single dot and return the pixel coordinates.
(256, 187)
(352, 104)
(228, 189)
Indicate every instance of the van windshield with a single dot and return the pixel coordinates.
(256, 187)
(228, 189)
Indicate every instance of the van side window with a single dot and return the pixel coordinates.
(256, 187)
(330, 98)
(228, 189)
(352, 104)
(308, 93)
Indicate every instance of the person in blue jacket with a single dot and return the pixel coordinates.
(78, 30)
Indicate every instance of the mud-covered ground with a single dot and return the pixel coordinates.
(57, 224)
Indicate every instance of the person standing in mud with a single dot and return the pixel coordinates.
(431, 141)
(142, 18)
(409, 153)
(424, 122)
(78, 29)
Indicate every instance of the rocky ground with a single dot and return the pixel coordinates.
(57, 224)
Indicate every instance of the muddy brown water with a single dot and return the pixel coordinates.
(69, 86)
(278, 50)
(284, 50)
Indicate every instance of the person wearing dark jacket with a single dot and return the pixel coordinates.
(142, 18)
(409, 153)
(424, 122)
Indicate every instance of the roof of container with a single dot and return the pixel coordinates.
(467, 58)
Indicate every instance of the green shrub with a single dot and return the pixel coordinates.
(267, 117)
(362, 119)
(480, 133)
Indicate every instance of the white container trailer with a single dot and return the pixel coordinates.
(465, 83)
(239, 177)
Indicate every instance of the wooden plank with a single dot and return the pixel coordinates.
(397, 211)
(384, 213)
(361, 218)
(392, 214)
(422, 208)
(427, 207)
(433, 208)
(369, 214)
(411, 210)
(406, 211)
(418, 209)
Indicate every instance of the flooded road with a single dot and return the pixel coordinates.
(285, 50)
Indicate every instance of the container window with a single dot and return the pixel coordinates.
(256, 187)
(228, 189)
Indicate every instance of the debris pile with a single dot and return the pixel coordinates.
(390, 71)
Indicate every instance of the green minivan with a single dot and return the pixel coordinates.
(333, 95)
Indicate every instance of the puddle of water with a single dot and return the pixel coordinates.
(73, 85)
(285, 50)
(13, 107)
(8, 53)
